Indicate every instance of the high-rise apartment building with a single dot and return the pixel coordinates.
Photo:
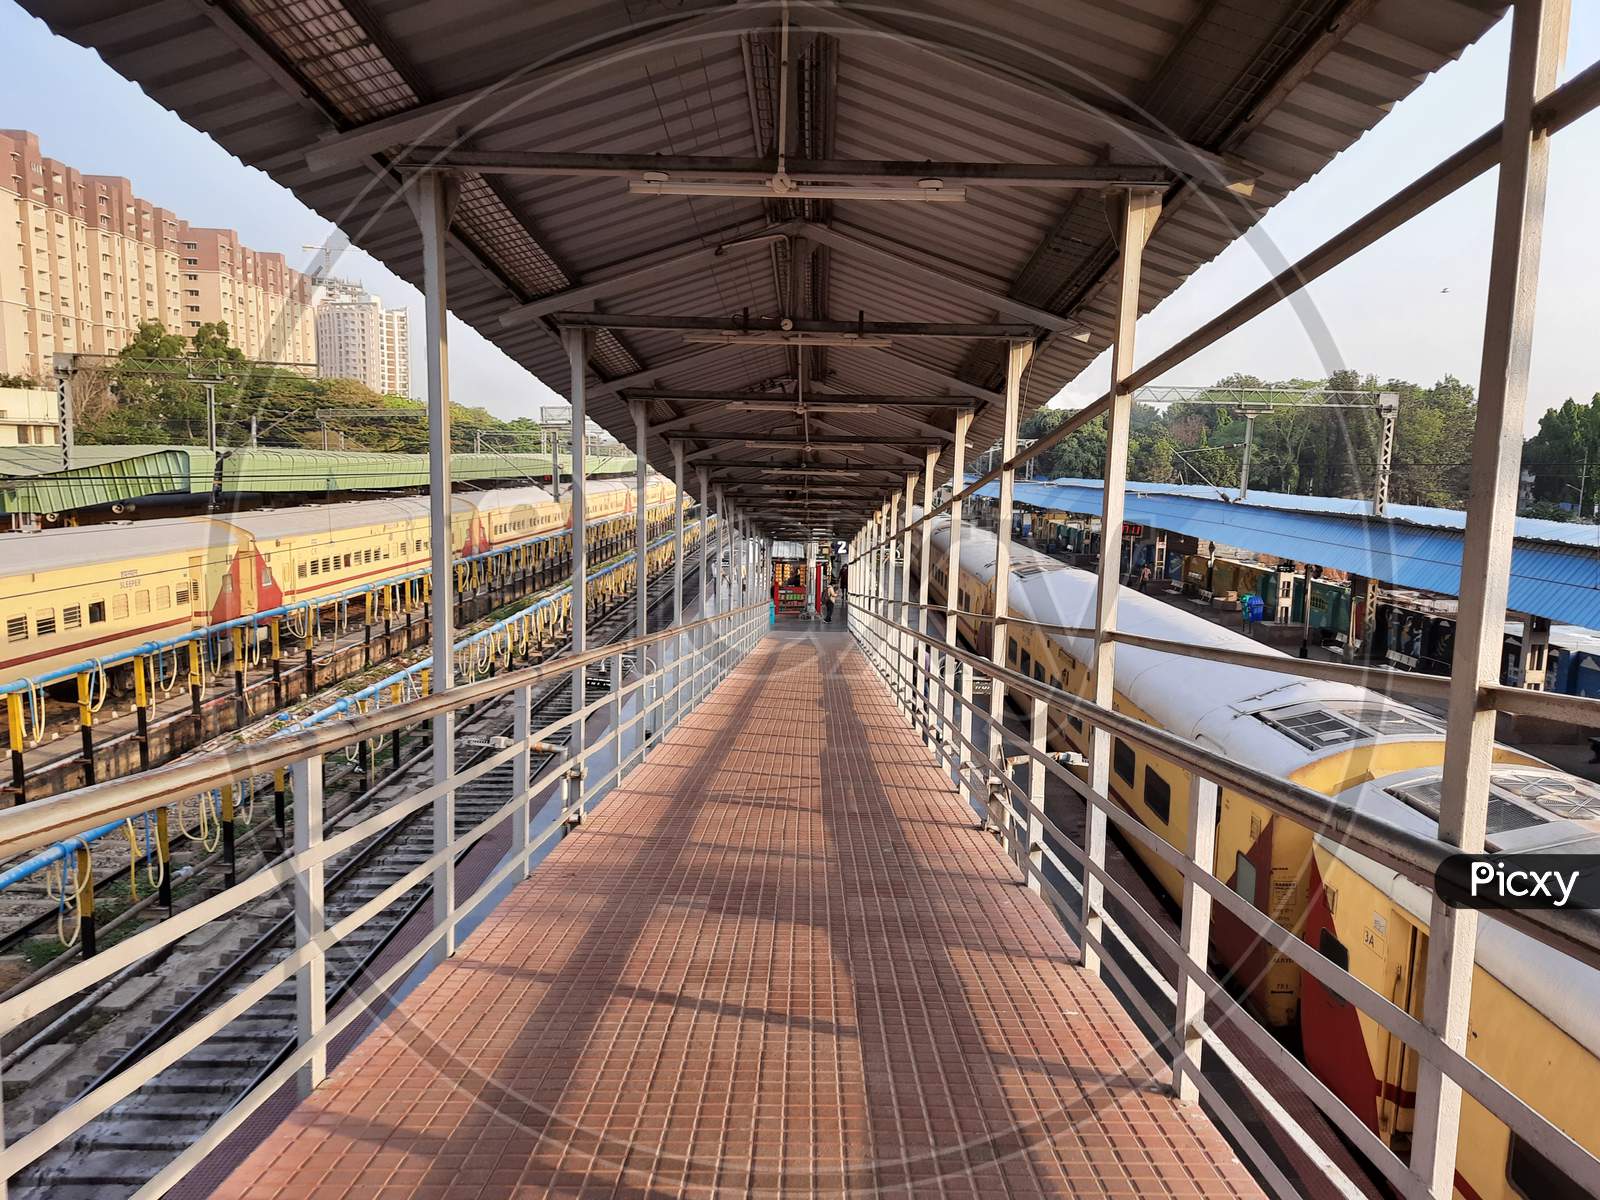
(396, 352)
(91, 261)
(357, 338)
(350, 336)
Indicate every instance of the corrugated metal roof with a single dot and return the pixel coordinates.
(110, 474)
(1559, 580)
(1279, 84)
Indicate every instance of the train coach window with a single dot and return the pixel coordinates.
(16, 629)
(1027, 663)
(1536, 1177)
(181, 597)
(300, 571)
(163, 597)
(1158, 795)
(1122, 760)
(119, 607)
(97, 612)
(141, 600)
(1244, 877)
(44, 622)
(1038, 671)
(316, 567)
(1011, 649)
(72, 616)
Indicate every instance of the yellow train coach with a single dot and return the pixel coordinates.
(68, 596)
(1533, 1015)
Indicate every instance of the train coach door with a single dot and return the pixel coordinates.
(1407, 956)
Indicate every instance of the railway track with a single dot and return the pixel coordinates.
(115, 1154)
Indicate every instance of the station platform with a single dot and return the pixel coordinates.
(778, 960)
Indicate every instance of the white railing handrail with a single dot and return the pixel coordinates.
(1414, 855)
(40, 822)
(705, 651)
(914, 665)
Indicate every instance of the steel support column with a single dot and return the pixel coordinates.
(433, 202)
(954, 714)
(886, 606)
(1538, 43)
(905, 648)
(1019, 353)
(1139, 212)
(641, 535)
(578, 343)
(924, 688)
(677, 580)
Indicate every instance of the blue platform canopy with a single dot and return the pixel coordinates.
(1555, 567)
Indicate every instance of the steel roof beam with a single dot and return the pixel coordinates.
(942, 277)
(677, 260)
(788, 326)
(767, 439)
(953, 382)
(494, 104)
(808, 468)
(788, 399)
(700, 167)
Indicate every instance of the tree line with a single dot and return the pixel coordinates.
(1302, 448)
(154, 393)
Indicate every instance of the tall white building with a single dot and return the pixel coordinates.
(357, 339)
(396, 352)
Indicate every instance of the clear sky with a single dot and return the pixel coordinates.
(1409, 307)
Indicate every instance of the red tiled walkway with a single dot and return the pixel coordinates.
(780, 961)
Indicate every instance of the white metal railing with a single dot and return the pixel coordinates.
(682, 664)
(921, 671)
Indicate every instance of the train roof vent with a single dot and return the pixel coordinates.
(1032, 569)
(1519, 798)
(1312, 725)
(1564, 797)
(1390, 720)
(1506, 816)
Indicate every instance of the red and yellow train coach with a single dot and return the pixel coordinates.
(1533, 1022)
(68, 596)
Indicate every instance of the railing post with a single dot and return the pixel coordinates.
(1139, 212)
(1538, 43)
(1039, 739)
(521, 775)
(1195, 938)
(614, 669)
(311, 980)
